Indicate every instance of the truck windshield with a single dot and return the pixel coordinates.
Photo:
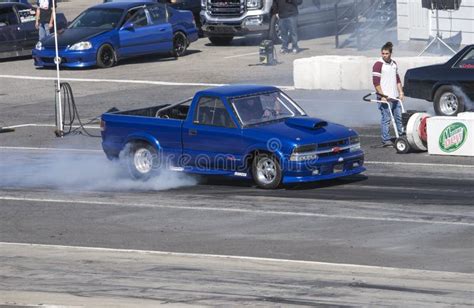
(264, 107)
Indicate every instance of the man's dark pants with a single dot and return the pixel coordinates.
(289, 31)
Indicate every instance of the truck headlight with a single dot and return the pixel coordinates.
(39, 46)
(303, 157)
(354, 139)
(354, 142)
(81, 46)
(254, 4)
(304, 152)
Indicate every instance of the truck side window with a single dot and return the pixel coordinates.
(8, 17)
(211, 111)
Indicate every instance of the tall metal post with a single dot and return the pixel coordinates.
(337, 25)
(57, 60)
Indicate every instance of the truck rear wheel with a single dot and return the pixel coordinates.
(142, 160)
(221, 40)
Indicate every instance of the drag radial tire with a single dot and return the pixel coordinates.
(106, 56)
(401, 145)
(221, 40)
(274, 33)
(448, 101)
(180, 44)
(266, 171)
(142, 160)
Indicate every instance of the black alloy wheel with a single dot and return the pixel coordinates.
(106, 56)
(180, 44)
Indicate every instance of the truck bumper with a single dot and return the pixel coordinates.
(323, 168)
(254, 22)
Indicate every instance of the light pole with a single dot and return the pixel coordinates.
(57, 60)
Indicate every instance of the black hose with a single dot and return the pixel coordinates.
(70, 114)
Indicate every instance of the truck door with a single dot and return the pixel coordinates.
(211, 139)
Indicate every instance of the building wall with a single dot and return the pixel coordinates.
(415, 22)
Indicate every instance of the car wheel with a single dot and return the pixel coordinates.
(447, 102)
(106, 56)
(180, 44)
(221, 40)
(274, 33)
(266, 171)
(142, 160)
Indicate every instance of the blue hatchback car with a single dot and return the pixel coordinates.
(104, 34)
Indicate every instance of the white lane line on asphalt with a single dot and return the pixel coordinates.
(394, 163)
(47, 125)
(366, 162)
(151, 82)
(242, 55)
(235, 210)
(48, 149)
(398, 270)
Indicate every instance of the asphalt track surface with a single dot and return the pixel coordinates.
(401, 234)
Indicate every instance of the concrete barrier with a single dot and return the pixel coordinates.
(347, 72)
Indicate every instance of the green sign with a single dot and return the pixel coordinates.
(453, 137)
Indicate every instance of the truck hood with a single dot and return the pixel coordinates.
(301, 130)
(69, 37)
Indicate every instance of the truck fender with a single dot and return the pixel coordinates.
(274, 149)
(142, 136)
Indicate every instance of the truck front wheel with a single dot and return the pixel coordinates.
(142, 160)
(221, 40)
(266, 171)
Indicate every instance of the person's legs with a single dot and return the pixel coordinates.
(397, 113)
(284, 27)
(43, 31)
(385, 123)
(293, 29)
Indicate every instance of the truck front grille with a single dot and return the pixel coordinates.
(227, 8)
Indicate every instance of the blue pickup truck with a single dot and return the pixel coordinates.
(249, 131)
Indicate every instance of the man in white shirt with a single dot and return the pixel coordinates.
(387, 83)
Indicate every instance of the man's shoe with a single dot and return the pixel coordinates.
(295, 50)
(387, 144)
(283, 51)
